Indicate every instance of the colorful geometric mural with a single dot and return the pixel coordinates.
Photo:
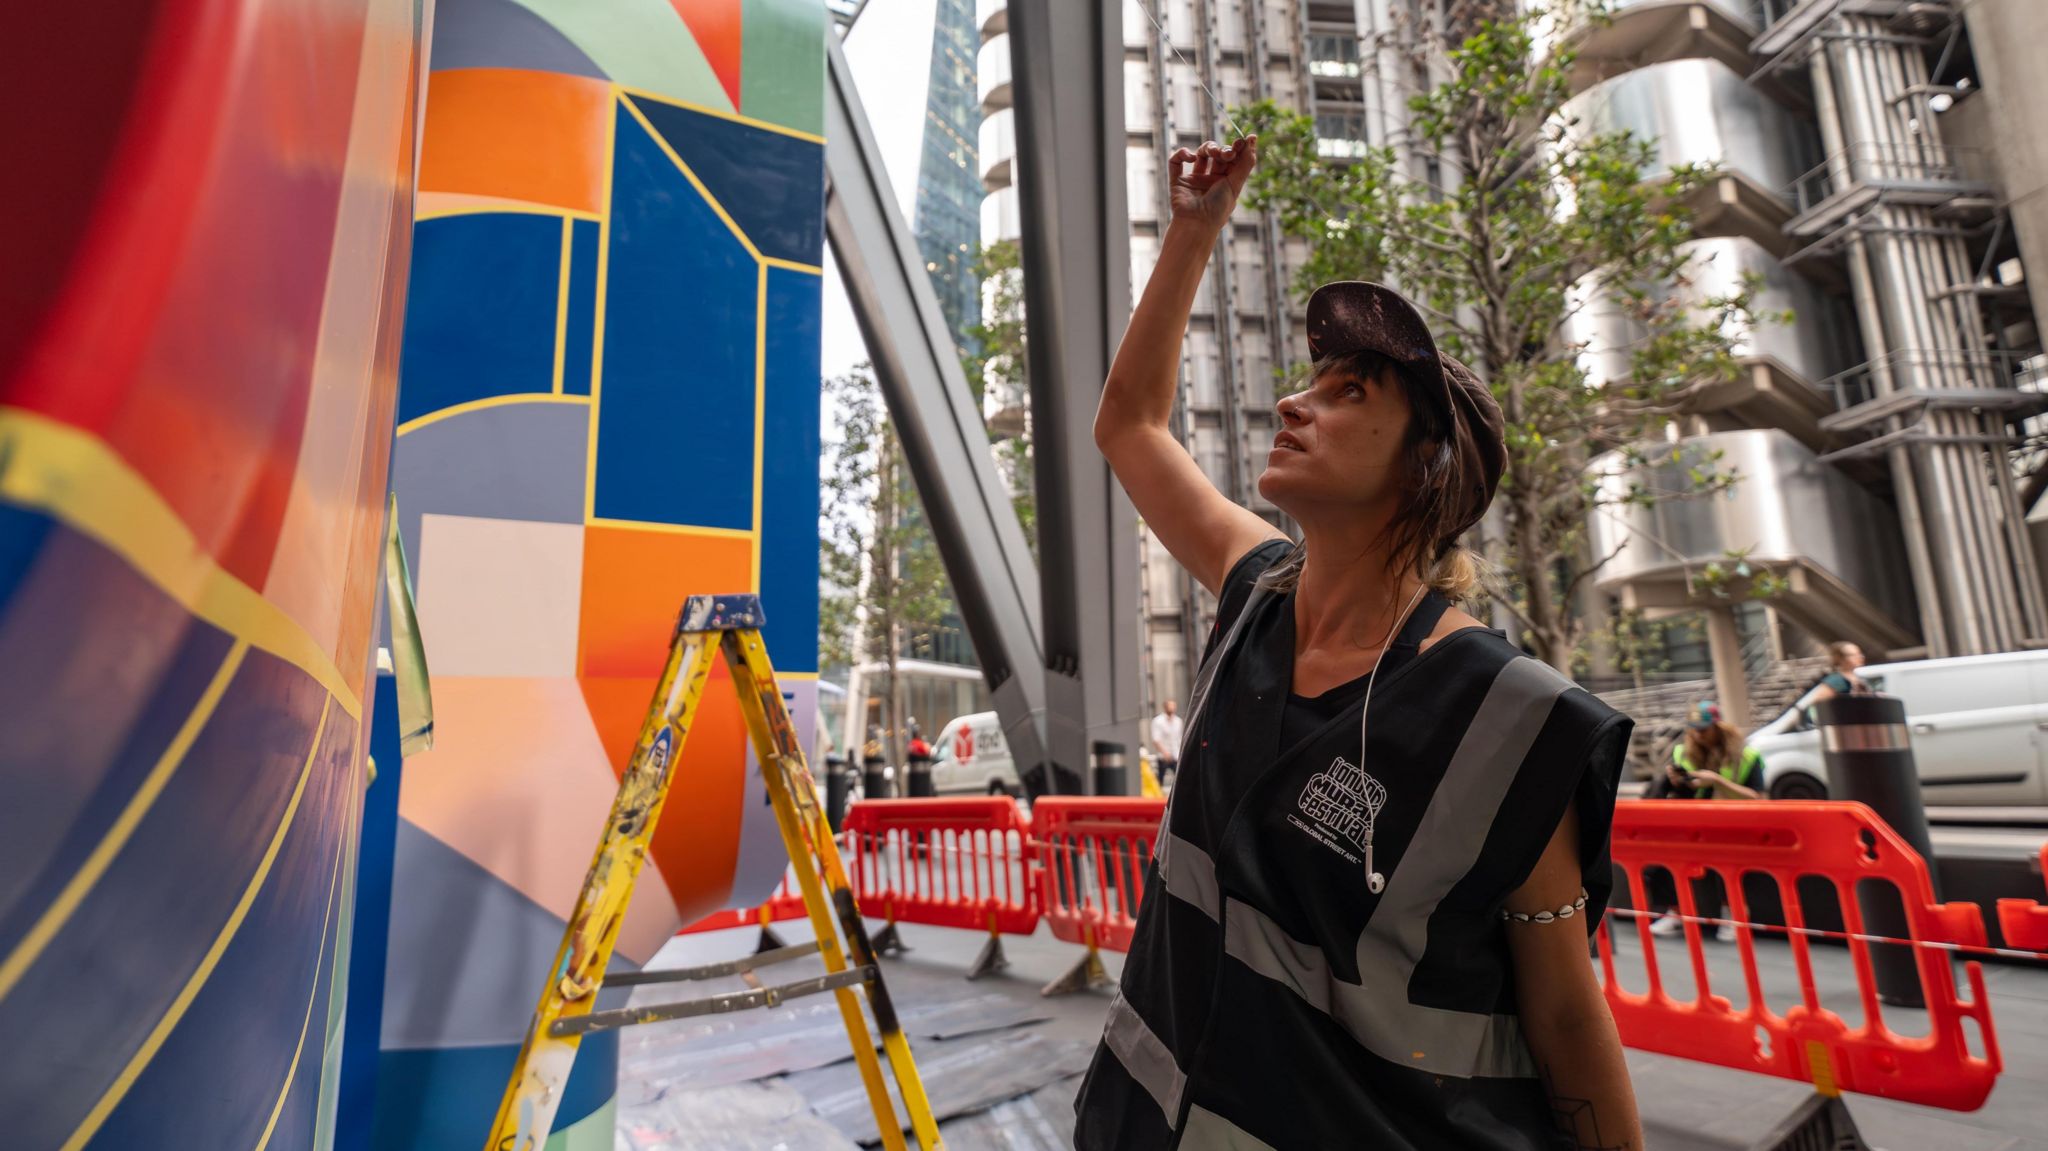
(204, 280)
(609, 402)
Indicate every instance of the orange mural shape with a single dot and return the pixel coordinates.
(699, 834)
(634, 582)
(538, 137)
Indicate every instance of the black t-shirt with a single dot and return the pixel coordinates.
(1304, 715)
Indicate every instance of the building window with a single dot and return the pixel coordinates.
(1332, 54)
(1340, 133)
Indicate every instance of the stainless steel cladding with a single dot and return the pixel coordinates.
(1701, 112)
(1816, 343)
(1786, 506)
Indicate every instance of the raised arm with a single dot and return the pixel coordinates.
(1201, 528)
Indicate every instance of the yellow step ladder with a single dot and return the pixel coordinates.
(709, 626)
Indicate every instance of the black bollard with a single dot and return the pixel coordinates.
(874, 778)
(1869, 758)
(838, 788)
(1110, 777)
(920, 777)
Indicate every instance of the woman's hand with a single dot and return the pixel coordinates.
(1133, 424)
(1207, 181)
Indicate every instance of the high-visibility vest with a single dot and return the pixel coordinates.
(1743, 772)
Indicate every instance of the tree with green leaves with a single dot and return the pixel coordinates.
(1001, 369)
(881, 580)
(1534, 219)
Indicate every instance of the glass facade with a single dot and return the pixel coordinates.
(949, 187)
(948, 228)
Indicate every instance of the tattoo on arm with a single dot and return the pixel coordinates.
(1578, 1119)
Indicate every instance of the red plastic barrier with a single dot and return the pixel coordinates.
(962, 862)
(2023, 922)
(1094, 852)
(1842, 844)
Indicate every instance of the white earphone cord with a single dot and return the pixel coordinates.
(1374, 881)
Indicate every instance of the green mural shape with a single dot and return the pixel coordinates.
(774, 86)
(641, 44)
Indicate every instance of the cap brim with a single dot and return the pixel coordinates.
(1356, 315)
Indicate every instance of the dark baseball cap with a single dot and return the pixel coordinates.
(1358, 316)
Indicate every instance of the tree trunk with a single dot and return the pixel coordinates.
(895, 741)
(1547, 628)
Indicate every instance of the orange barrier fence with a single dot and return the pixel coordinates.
(1839, 845)
(1094, 854)
(1785, 869)
(963, 862)
(2023, 922)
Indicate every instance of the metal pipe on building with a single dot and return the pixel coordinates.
(1913, 286)
(1927, 583)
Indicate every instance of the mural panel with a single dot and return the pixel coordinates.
(609, 402)
(198, 368)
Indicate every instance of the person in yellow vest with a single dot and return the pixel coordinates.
(1713, 761)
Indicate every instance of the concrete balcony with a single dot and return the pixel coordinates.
(1784, 363)
(1002, 216)
(1836, 544)
(992, 17)
(998, 148)
(1703, 112)
(992, 74)
(1644, 32)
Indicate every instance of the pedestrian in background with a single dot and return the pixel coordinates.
(1846, 659)
(1712, 761)
(1166, 733)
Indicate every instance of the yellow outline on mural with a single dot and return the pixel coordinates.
(735, 117)
(444, 205)
(791, 265)
(76, 478)
(351, 829)
(731, 225)
(467, 406)
(81, 883)
(562, 302)
(137, 1063)
(604, 258)
(671, 529)
(298, 1052)
(760, 406)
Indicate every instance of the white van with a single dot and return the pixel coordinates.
(1979, 726)
(971, 757)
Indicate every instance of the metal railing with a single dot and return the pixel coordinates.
(1922, 369)
(1921, 165)
(1770, 12)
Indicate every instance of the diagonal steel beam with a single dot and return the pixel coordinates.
(1066, 62)
(944, 440)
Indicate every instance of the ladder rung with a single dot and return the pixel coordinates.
(713, 970)
(714, 1005)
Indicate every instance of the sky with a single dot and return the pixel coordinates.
(889, 51)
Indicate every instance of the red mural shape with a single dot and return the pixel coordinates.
(716, 25)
